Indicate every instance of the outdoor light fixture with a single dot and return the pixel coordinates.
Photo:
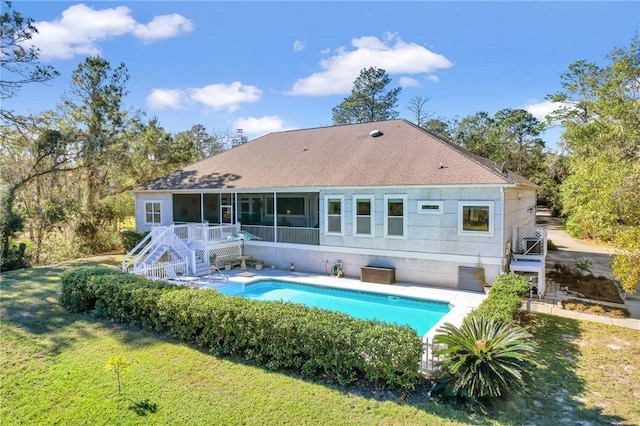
(530, 210)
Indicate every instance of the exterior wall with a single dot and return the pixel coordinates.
(520, 215)
(418, 268)
(428, 233)
(431, 251)
(166, 211)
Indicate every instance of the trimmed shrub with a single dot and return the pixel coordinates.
(505, 298)
(77, 293)
(280, 336)
(285, 336)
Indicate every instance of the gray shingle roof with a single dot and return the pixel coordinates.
(339, 156)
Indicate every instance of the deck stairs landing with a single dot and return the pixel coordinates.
(173, 250)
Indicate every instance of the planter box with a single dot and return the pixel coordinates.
(380, 275)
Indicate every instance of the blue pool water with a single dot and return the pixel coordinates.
(419, 314)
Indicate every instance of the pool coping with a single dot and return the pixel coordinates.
(461, 302)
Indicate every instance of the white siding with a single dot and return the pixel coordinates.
(519, 214)
(166, 214)
(428, 233)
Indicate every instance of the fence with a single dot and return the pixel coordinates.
(429, 360)
(163, 271)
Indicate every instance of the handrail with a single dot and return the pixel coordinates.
(175, 236)
(150, 236)
(217, 271)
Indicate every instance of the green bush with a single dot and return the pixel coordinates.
(280, 336)
(505, 298)
(129, 298)
(484, 359)
(131, 238)
(77, 294)
(285, 336)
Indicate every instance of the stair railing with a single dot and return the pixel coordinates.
(132, 259)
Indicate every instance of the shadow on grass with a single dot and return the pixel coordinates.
(30, 301)
(554, 394)
(143, 407)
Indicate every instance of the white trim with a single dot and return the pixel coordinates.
(159, 212)
(422, 203)
(331, 188)
(371, 199)
(385, 213)
(490, 205)
(327, 198)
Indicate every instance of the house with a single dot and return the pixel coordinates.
(386, 194)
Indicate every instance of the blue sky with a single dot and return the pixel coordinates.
(270, 66)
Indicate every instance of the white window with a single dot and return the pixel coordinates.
(334, 218)
(363, 215)
(430, 207)
(152, 214)
(395, 216)
(475, 217)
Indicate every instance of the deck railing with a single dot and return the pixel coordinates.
(286, 234)
(203, 233)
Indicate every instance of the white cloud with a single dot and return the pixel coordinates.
(162, 27)
(225, 96)
(540, 110)
(299, 46)
(256, 127)
(80, 28)
(408, 82)
(391, 54)
(166, 99)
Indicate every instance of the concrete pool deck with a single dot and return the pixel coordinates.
(461, 302)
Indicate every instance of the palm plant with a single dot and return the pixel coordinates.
(483, 359)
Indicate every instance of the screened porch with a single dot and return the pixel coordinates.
(275, 217)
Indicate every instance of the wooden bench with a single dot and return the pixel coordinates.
(378, 274)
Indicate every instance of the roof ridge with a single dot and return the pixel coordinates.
(478, 159)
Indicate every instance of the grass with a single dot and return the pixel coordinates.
(52, 372)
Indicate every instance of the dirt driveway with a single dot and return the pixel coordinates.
(570, 249)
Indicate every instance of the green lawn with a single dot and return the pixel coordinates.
(52, 372)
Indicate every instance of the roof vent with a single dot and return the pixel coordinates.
(375, 133)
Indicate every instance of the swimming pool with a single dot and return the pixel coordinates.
(419, 314)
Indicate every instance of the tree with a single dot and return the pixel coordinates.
(95, 107)
(39, 150)
(19, 61)
(417, 107)
(509, 137)
(369, 100)
(601, 117)
(518, 134)
(438, 127)
(477, 133)
(205, 143)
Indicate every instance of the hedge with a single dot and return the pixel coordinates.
(279, 336)
(131, 238)
(505, 298)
